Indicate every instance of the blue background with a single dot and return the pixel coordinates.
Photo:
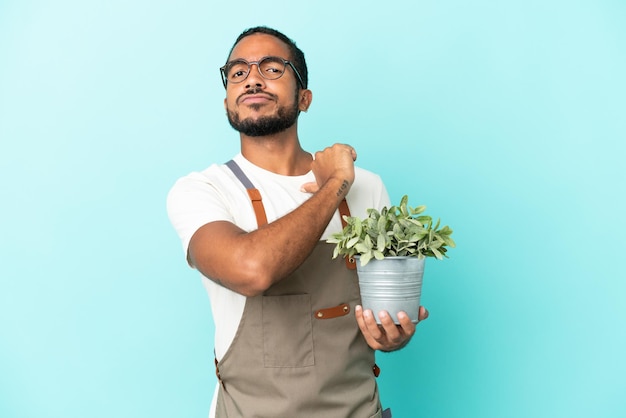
(505, 118)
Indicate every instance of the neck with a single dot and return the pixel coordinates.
(280, 153)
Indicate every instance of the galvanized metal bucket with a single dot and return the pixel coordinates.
(393, 284)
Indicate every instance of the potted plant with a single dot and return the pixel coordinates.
(390, 248)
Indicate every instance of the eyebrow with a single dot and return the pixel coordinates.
(262, 58)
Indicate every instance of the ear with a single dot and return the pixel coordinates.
(305, 97)
(225, 107)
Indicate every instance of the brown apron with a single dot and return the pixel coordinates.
(298, 351)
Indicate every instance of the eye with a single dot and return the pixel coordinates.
(237, 70)
(272, 67)
(274, 70)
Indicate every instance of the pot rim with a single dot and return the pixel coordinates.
(394, 257)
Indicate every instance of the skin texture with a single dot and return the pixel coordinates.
(250, 262)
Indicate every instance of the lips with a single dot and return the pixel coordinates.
(254, 98)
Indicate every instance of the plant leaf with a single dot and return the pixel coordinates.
(437, 253)
(365, 258)
(352, 242)
(397, 230)
(380, 245)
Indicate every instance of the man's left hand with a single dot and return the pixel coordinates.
(387, 336)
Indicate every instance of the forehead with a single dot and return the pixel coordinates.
(259, 45)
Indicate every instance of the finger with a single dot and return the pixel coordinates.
(371, 325)
(352, 152)
(369, 339)
(351, 149)
(358, 312)
(392, 332)
(360, 320)
(408, 327)
(423, 314)
(310, 187)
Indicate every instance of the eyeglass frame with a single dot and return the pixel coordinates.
(258, 67)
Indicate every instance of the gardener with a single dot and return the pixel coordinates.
(291, 339)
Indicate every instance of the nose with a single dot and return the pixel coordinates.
(254, 78)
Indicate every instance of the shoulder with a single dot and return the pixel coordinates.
(368, 191)
(213, 176)
(362, 175)
(199, 198)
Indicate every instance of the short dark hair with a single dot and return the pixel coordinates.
(297, 56)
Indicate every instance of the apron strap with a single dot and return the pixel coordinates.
(253, 193)
(259, 209)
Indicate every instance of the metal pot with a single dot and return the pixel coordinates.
(392, 284)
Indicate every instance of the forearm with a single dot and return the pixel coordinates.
(250, 262)
(282, 246)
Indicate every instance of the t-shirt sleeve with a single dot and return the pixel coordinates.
(383, 196)
(192, 203)
(368, 191)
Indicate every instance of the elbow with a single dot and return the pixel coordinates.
(255, 279)
(243, 274)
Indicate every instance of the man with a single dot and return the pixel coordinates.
(291, 339)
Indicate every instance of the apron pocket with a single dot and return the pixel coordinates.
(287, 331)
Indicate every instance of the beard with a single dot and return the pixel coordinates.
(284, 118)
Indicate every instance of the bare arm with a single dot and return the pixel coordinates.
(250, 262)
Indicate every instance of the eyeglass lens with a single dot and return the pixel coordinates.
(270, 68)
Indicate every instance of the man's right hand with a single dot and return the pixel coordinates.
(335, 162)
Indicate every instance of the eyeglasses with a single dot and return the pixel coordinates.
(270, 68)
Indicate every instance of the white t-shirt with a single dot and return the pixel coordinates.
(215, 194)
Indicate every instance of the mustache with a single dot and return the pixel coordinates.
(255, 90)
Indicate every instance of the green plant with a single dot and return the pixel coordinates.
(397, 231)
